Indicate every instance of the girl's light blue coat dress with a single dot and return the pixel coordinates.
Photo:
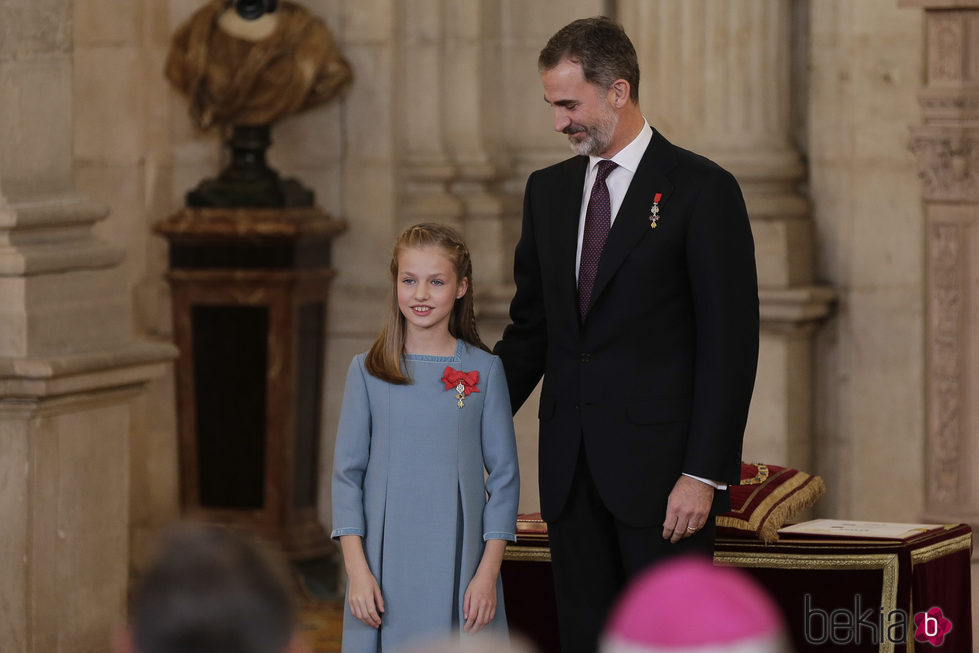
(408, 476)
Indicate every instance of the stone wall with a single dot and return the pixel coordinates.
(72, 374)
(445, 120)
(124, 142)
(869, 421)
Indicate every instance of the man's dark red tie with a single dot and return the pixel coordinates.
(598, 221)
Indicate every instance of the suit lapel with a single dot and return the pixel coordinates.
(632, 220)
(566, 224)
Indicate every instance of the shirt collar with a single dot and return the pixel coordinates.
(630, 155)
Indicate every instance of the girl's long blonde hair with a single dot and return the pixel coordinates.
(386, 356)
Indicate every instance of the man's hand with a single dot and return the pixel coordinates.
(687, 509)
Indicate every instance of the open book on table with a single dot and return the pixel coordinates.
(858, 529)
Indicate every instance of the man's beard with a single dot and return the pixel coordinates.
(597, 137)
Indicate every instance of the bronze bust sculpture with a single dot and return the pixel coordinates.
(245, 74)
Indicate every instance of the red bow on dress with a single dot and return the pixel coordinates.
(453, 378)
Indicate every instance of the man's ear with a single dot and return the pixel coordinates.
(619, 93)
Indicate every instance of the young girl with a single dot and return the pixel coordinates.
(424, 412)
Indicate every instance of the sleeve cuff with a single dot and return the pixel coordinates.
(337, 532)
(713, 484)
(500, 535)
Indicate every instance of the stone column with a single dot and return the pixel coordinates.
(946, 144)
(369, 133)
(523, 131)
(69, 369)
(471, 117)
(730, 100)
(425, 168)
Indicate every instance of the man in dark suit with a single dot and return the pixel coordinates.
(637, 301)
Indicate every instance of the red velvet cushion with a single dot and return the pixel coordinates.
(767, 496)
(530, 526)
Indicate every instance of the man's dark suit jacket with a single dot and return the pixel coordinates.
(657, 379)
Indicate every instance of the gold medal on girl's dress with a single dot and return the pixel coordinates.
(463, 383)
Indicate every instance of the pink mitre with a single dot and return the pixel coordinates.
(687, 605)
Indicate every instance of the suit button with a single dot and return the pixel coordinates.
(586, 358)
(577, 406)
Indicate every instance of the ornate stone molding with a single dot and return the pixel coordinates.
(946, 303)
(49, 234)
(127, 366)
(943, 105)
(946, 36)
(948, 161)
(947, 149)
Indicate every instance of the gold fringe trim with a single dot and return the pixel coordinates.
(807, 490)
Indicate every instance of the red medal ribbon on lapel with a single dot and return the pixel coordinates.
(654, 210)
(452, 378)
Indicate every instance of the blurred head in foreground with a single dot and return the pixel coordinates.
(687, 605)
(209, 590)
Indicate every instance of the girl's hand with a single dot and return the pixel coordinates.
(479, 605)
(365, 598)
